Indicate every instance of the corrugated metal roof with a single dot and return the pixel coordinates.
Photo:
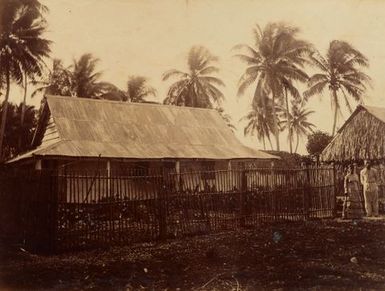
(91, 128)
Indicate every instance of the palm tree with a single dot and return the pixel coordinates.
(22, 49)
(260, 122)
(197, 87)
(273, 64)
(138, 89)
(85, 79)
(58, 81)
(297, 123)
(340, 73)
(15, 129)
(77, 80)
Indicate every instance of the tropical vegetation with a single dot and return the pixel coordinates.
(197, 87)
(274, 63)
(22, 49)
(138, 89)
(260, 122)
(296, 122)
(316, 142)
(277, 66)
(340, 73)
(18, 135)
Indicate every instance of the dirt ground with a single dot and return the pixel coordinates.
(322, 255)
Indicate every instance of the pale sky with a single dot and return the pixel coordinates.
(148, 37)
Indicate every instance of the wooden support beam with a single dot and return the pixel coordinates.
(178, 178)
(109, 178)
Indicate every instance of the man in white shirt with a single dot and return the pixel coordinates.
(369, 178)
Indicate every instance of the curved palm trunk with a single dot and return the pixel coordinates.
(335, 111)
(276, 133)
(296, 146)
(271, 145)
(4, 113)
(23, 111)
(288, 122)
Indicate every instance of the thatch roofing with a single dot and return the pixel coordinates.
(361, 137)
(79, 127)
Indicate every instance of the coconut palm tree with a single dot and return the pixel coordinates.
(274, 63)
(197, 87)
(57, 82)
(340, 73)
(15, 129)
(78, 80)
(260, 122)
(22, 49)
(138, 89)
(85, 78)
(297, 123)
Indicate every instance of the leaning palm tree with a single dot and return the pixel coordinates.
(273, 64)
(22, 49)
(138, 89)
(226, 118)
(197, 87)
(297, 123)
(260, 122)
(340, 73)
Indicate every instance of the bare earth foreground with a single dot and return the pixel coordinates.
(330, 254)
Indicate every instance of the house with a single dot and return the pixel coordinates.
(114, 138)
(361, 137)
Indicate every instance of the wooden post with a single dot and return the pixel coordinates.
(162, 210)
(273, 192)
(306, 194)
(178, 181)
(53, 213)
(110, 199)
(334, 181)
(108, 178)
(243, 195)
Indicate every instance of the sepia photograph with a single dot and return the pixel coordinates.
(192, 145)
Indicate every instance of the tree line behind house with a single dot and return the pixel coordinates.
(276, 65)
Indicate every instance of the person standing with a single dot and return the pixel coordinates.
(369, 178)
(353, 203)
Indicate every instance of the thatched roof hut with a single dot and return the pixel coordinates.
(361, 137)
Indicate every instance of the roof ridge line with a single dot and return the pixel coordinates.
(127, 103)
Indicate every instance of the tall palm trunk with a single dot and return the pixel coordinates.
(4, 111)
(288, 119)
(276, 133)
(335, 111)
(296, 146)
(23, 105)
(271, 145)
(264, 142)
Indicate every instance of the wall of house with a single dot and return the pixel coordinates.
(212, 176)
(91, 181)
